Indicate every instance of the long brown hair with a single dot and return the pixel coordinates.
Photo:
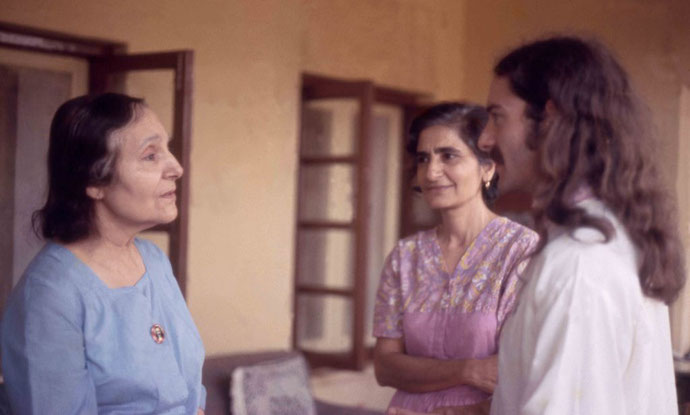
(599, 136)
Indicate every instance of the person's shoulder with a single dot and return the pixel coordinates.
(53, 276)
(581, 245)
(517, 235)
(55, 265)
(586, 242)
(516, 227)
(584, 257)
(412, 247)
(417, 240)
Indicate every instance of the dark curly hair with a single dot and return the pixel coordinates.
(468, 120)
(81, 153)
(600, 135)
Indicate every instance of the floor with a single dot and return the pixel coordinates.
(350, 388)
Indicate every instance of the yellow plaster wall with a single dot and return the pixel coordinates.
(412, 45)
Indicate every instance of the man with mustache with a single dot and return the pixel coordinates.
(590, 334)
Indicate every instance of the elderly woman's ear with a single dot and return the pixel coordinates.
(95, 192)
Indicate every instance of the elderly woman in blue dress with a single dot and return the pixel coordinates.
(97, 323)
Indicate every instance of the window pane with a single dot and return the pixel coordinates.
(329, 127)
(327, 192)
(326, 258)
(385, 201)
(324, 323)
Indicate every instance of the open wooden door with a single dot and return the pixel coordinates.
(333, 211)
(348, 131)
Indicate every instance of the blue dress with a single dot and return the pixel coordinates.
(71, 345)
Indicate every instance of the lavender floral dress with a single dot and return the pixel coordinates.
(451, 316)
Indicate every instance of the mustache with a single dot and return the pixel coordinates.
(496, 156)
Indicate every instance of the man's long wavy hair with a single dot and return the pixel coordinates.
(596, 133)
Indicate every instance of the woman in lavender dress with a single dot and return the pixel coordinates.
(445, 292)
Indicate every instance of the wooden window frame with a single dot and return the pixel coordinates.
(367, 93)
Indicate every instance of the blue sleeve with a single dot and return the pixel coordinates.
(43, 356)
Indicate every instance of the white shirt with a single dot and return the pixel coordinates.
(583, 338)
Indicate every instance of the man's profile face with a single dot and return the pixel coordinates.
(505, 138)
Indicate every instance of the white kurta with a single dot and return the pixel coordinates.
(583, 338)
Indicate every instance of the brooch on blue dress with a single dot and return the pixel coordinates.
(157, 333)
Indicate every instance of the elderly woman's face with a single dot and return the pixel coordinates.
(142, 193)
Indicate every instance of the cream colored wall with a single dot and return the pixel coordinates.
(411, 45)
(649, 37)
(249, 56)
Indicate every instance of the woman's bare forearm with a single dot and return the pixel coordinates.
(397, 369)
(417, 374)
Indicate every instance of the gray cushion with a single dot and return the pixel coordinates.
(278, 387)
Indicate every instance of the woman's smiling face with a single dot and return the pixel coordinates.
(448, 172)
